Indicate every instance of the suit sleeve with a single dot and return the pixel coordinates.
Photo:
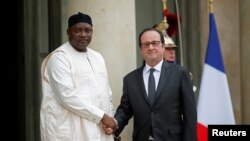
(124, 111)
(189, 108)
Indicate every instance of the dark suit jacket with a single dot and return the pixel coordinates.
(173, 114)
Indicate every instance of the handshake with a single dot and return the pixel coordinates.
(109, 124)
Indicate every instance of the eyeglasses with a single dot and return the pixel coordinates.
(153, 43)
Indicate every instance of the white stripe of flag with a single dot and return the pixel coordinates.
(214, 102)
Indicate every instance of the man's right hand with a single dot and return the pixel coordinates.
(109, 124)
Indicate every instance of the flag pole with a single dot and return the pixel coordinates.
(179, 30)
(211, 6)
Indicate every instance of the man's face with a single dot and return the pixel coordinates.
(151, 47)
(80, 36)
(169, 54)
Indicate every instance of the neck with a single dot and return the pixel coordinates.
(153, 63)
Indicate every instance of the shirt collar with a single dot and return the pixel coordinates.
(156, 67)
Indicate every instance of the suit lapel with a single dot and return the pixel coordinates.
(163, 79)
(141, 85)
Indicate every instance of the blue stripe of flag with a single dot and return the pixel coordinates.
(213, 55)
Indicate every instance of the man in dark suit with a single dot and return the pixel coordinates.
(170, 113)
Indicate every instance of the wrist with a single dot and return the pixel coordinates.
(117, 138)
(116, 123)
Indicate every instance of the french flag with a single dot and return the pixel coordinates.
(214, 102)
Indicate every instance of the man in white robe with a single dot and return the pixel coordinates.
(77, 99)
